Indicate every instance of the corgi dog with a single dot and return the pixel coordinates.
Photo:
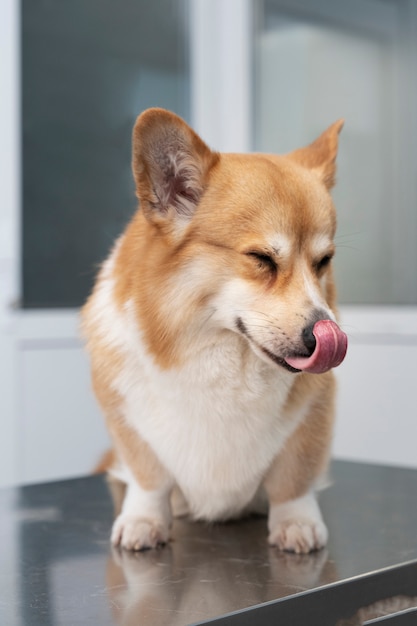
(212, 334)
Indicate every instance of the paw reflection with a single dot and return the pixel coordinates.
(206, 572)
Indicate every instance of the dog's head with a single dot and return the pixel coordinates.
(242, 243)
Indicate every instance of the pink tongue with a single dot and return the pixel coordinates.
(330, 350)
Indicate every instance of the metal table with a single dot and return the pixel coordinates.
(57, 567)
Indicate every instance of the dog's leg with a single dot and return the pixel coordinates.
(295, 522)
(145, 517)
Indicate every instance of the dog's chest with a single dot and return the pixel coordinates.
(216, 423)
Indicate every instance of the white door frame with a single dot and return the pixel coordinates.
(9, 229)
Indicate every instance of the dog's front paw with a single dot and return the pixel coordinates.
(137, 533)
(297, 525)
(299, 536)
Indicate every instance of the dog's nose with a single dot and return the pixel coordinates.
(309, 339)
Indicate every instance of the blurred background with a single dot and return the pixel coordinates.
(249, 75)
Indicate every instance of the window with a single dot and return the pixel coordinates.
(88, 69)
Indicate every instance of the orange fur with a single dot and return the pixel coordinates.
(138, 455)
(306, 453)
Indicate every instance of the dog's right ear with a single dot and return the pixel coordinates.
(170, 166)
(320, 156)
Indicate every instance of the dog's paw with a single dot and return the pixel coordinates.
(299, 536)
(137, 533)
(297, 525)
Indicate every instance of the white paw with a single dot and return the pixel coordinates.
(137, 533)
(297, 525)
(299, 536)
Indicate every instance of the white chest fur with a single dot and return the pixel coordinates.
(216, 423)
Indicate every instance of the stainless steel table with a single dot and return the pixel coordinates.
(57, 567)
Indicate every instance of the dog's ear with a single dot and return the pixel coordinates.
(170, 166)
(320, 156)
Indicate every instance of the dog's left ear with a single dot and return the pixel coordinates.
(320, 156)
(170, 166)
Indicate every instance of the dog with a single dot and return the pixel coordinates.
(212, 334)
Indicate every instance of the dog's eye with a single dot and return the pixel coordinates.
(264, 260)
(324, 262)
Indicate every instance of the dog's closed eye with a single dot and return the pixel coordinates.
(323, 262)
(264, 260)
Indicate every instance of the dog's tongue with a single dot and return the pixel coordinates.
(330, 350)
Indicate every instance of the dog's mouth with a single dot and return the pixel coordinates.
(329, 350)
(280, 361)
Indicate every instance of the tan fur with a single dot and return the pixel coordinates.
(202, 216)
(321, 154)
(106, 362)
(135, 452)
(306, 453)
(137, 455)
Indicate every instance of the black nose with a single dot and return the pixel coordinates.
(309, 339)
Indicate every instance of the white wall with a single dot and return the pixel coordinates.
(377, 406)
(60, 430)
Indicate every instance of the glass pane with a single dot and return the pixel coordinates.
(88, 69)
(312, 69)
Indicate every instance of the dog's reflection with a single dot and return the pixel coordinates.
(206, 572)
(383, 608)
